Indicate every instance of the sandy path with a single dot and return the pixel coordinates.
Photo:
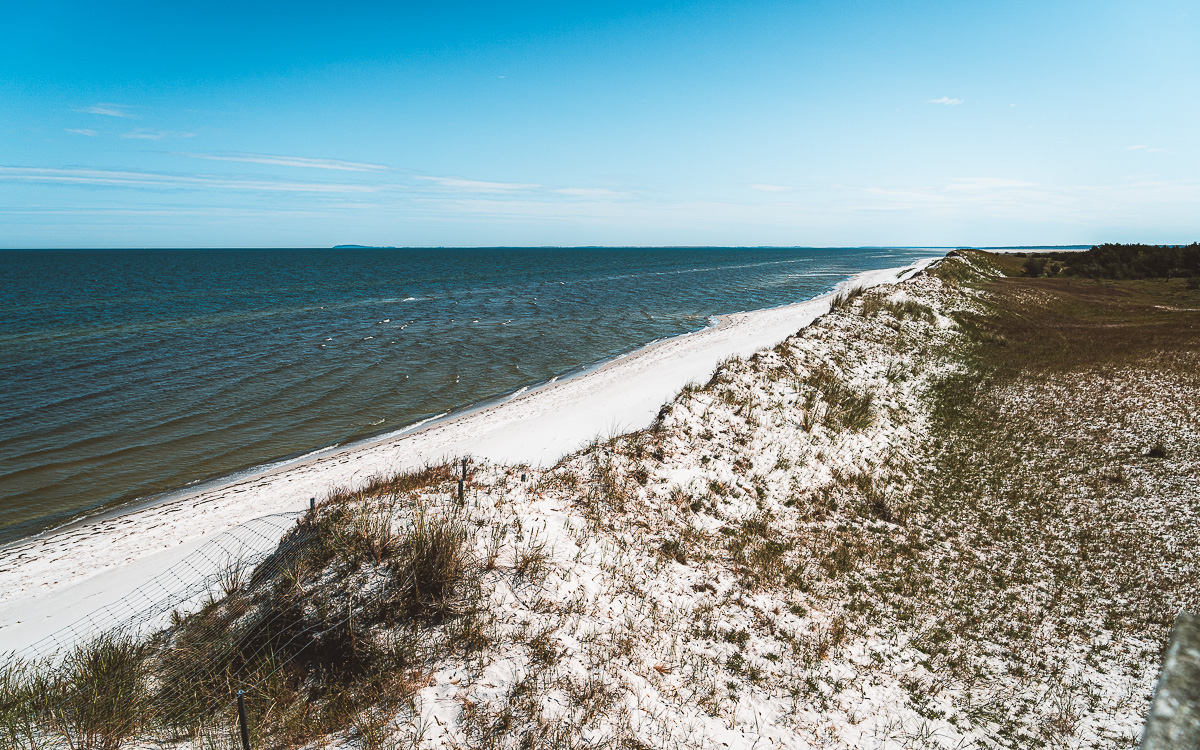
(47, 583)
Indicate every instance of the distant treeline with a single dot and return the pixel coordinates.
(1119, 262)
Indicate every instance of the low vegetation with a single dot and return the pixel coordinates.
(1114, 261)
(954, 513)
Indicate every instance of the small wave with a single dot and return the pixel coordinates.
(414, 426)
(517, 392)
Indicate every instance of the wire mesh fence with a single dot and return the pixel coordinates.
(181, 588)
(277, 609)
(109, 680)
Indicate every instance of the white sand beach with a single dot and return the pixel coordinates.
(48, 582)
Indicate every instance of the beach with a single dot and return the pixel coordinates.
(48, 582)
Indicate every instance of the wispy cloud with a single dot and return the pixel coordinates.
(769, 188)
(950, 101)
(291, 161)
(1144, 147)
(591, 193)
(108, 110)
(476, 186)
(150, 180)
(155, 135)
(82, 131)
(988, 183)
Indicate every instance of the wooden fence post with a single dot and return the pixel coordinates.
(1174, 719)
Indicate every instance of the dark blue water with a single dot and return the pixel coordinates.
(127, 373)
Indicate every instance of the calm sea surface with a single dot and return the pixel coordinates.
(127, 373)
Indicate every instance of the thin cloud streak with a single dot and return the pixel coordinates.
(113, 178)
(476, 186)
(591, 193)
(291, 161)
(108, 110)
(768, 188)
(155, 135)
(82, 131)
(988, 183)
(442, 189)
(949, 101)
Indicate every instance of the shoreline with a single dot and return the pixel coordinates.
(48, 581)
(219, 481)
(235, 476)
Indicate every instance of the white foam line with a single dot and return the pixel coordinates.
(48, 582)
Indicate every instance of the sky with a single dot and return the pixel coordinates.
(841, 123)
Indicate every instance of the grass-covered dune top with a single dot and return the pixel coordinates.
(955, 512)
(1113, 261)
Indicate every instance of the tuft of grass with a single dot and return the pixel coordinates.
(26, 695)
(871, 305)
(910, 308)
(96, 698)
(844, 406)
(874, 499)
(1158, 450)
(673, 550)
(531, 561)
(757, 550)
(434, 564)
(606, 486)
(845, 297)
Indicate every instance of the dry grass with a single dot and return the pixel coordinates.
(981, 557)
(845, 407)
(845, 297)
(337, 624)
(95, 699)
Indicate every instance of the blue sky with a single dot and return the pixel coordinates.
(462, 123)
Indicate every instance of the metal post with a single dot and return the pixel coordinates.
(242, 720)
(464, 470)
(312, 504)
(460, 492)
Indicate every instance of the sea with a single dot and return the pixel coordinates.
(128, 375)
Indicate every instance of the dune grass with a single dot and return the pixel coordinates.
(336, 624)
(1012, 530)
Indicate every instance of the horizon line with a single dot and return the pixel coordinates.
(562, 247)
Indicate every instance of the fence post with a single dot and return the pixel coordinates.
(242, 720)
(464, 470)
(1174, 719)
(312, 504)
(460, 492)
